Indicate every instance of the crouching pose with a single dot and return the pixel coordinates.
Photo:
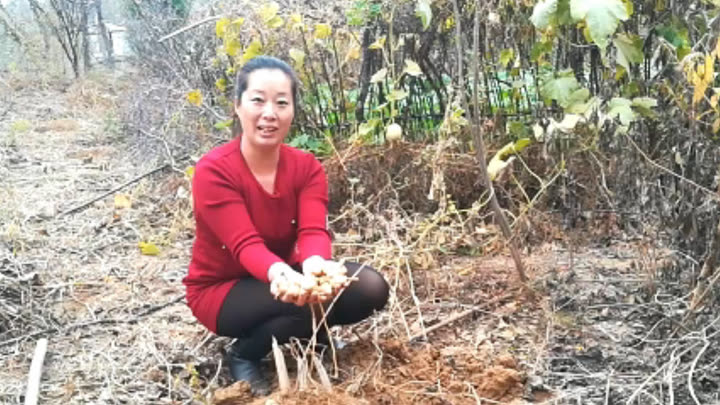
(260, 208)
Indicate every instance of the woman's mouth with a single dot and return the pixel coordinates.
(267, 130)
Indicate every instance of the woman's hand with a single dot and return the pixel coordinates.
(313, 266)
(329, 276)
(288, 285)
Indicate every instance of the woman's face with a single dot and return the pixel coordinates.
(266, 108)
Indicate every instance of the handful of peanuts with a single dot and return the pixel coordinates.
(318, 286)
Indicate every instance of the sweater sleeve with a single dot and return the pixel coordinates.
(313, 235)
(223, 209)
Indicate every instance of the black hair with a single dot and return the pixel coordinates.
(256, 63)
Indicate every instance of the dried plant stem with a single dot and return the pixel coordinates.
(460, 315)
(189, 27)
(33, 387)
(668, 171)
(331, 343)
(478, 133)
(283, 379)
(692, 372)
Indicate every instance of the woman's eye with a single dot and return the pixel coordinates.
(283, 102)
(256, 100)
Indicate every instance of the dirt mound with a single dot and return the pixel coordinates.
(238, 393)
(406, 375)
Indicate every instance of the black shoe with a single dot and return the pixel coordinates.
(249, 371)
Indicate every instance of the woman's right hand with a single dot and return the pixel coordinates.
(286, 283)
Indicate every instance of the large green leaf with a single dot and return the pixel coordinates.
(560, 89)
(621, 108)
(424, 11)
(544, 13)
(645, 105)
(602, 17)
(550, 12)
(630, 49)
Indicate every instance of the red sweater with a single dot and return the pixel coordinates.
(241, 229)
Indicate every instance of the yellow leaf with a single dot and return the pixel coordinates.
(221, 27)
(714, 101)
(190, 171)
(231, 46)
(221, 84)
(716, 52)
(322, 31)
(148, 249)
(497, 165)
(237, 23)
(412, 68)
(716, 126)
(122, 201)
(252, 50)
(449, 23)
(709, 68)
(275, 22)
(465, 272)
(268, 11)
(353, 53)
(699, 93)
(195, 98)
(298, 57)
(378, 44)
(295, 21)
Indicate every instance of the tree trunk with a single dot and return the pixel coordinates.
(85, 34)
(106, 38)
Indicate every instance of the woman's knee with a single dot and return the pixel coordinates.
(371, 284)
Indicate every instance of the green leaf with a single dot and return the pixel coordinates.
(621, 108)
(630, 49)
(601, 17)
(397, 95)
(544, 13)
(539, 49)
(223, 124)
(298, 57)
(645, 105)
(379, 76)
(367, 128)
(412, 68)
(424, 11)
(506, 56)
(578, 96)
(560, 89)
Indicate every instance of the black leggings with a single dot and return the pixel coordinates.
(250, 312)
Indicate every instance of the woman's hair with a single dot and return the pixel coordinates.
(256, 63)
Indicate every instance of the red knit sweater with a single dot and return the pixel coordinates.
(241, 229)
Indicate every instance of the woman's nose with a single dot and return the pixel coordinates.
(269, 110)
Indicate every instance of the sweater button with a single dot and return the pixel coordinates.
(223, 247)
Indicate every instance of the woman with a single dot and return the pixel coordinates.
(260, 208)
